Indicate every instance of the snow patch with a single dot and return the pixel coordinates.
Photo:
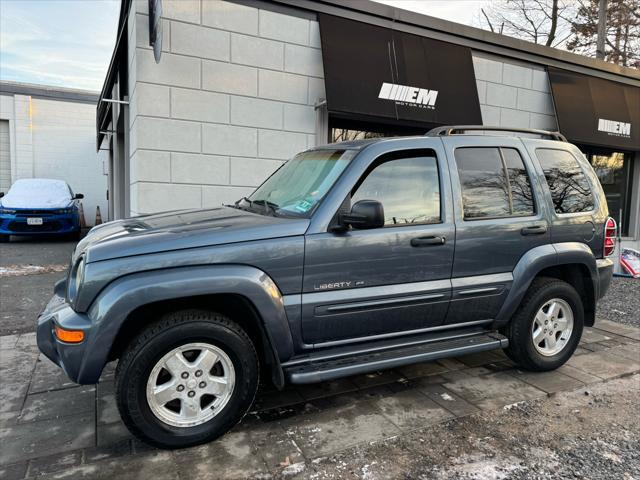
(294, 469)
(20, 270)
(513, 405)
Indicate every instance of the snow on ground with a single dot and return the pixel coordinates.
(19, 270)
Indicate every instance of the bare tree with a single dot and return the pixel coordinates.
(544, 22)
(622, 32)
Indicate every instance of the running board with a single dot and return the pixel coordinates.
(320, 371)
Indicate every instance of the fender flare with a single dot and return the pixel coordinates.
(111, 308)
(536, 260)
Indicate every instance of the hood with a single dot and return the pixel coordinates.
(183, 229)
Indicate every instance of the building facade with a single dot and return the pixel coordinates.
(235, 88)
(48, 132)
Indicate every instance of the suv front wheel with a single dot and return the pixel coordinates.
(186, 379)
(546, 329)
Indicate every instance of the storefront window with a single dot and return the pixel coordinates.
(346, 135)
(614, 169)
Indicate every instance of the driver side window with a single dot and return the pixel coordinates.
(408, 188)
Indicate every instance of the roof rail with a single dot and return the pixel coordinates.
(460, 129)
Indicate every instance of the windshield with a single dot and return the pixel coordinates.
(301, 183)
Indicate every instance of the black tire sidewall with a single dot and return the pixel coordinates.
(553, 290)
(132, 382)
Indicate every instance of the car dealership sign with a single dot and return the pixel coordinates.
(596, 111)
(413, 95)
(621, 129)
(382, 75)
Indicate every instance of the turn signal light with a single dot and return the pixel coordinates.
(610, 230)
(69, 336)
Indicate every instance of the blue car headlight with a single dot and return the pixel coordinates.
(64, 211)
(6, 211)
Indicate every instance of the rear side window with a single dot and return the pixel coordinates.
(570, 189)
(494, 183)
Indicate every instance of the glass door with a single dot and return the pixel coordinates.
(614, 169)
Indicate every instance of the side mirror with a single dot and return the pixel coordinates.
(1, 194)
(364, 214)
(78, 196)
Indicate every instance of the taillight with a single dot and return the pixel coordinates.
(610, 229)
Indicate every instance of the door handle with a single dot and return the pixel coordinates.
(534, 230)
(426, 241)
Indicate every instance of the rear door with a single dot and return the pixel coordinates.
(499, 216)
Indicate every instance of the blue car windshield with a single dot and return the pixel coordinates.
(299, 185)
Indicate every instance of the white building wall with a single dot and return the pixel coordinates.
(231, 99)
(513, 94)
(51, 138)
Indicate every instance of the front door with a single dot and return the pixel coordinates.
(390, 280)
(499, 217)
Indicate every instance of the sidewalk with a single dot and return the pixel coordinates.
(49, 425)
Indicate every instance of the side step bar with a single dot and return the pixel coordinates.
(320, 371)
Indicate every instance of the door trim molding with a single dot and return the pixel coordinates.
(383, 336)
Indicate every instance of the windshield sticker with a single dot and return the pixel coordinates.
(303, 206)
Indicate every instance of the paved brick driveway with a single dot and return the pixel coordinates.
(49, 426)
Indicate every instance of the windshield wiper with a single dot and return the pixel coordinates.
(269, 207)
(243, 199)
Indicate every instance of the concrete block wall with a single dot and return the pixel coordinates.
(231, 99)
(513, 94)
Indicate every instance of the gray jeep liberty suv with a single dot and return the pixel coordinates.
(352, 257)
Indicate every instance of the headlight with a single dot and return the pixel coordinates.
(76, 276)
(64, 211)
(7, 211)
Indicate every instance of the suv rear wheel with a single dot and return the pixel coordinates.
(546, 329)
(186, 379)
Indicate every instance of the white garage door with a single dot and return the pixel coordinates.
(5, 158)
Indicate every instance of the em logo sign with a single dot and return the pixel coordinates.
(404, 94)
(620, 129)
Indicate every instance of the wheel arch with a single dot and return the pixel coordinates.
(127, 305)
(571, 262)
(235, 306)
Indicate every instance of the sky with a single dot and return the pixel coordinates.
(68, 43)
(65, 43)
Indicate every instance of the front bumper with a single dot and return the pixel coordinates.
(52, 224)
(69, 356)
(605, 274)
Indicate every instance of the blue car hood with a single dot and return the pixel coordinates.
(181, 230)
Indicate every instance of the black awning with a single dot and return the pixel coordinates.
(595, 111)
(378, 72)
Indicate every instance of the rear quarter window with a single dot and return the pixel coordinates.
(568, 184)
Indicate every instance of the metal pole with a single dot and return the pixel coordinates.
(602, 28)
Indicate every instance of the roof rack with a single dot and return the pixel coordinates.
(448, 130)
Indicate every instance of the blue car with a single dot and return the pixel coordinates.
(39, 206)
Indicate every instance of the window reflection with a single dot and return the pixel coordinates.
(408, 189)
(570, 189)
(491, 188)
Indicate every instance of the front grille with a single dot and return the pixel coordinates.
(31, 213)
(24, 228)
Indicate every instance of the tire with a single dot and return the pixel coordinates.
(4, 238)
(159, 424)
(543, 294)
